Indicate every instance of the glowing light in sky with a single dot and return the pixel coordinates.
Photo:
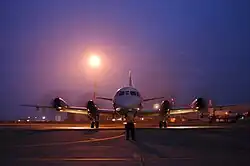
(94, 61)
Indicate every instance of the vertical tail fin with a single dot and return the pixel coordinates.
(210, 103)
(210, 107)
(130, 79)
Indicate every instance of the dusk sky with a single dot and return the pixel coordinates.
(180, 48)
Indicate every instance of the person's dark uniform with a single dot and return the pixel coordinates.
(130, 127)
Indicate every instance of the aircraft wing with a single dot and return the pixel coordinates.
(174, 111)
(182, 111)
(72, 109)
(82, 110)
(154, 98)
(37, 106)
(104, 98)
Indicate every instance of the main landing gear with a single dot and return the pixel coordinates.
(94, 124)
(162, 124)
(163, 121)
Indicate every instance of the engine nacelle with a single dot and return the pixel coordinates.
(58, 103)
(199, 104)
(165, 107)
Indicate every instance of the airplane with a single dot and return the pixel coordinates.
(126, 99)
(227, 113)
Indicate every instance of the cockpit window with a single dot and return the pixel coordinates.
(133, 93)
(128, 93)
(121, 93)
(138, 94)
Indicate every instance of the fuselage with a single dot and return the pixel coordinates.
(127, 99)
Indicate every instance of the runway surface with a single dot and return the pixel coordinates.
(189, 146)
(107, 126)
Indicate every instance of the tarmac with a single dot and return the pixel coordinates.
(179, 145)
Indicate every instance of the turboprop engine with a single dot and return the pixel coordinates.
(58, 103)
(164, 110)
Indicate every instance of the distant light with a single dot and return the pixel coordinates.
(113, 120)
(19, 120)
(43, 117)
(35, 117)
(172, 101)
(142, 118)
(28, 120)
(156, 106)
(172, 120)
(94, 61)
(28, 117)
(126, 123)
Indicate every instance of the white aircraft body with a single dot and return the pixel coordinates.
(126, 99)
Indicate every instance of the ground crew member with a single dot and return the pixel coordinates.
(130, 126)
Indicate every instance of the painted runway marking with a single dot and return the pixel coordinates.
(78, 159)
(73, 142)
(103, 159)
(60, 127)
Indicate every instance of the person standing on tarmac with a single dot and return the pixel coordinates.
(130, 126)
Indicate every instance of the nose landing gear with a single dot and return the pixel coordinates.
(163, 121)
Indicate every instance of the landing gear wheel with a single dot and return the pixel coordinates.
(164, 124)
(160, 124)
(210, 121)
(97, 124)
(92, 125)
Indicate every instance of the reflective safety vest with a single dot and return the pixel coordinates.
(130, 117)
